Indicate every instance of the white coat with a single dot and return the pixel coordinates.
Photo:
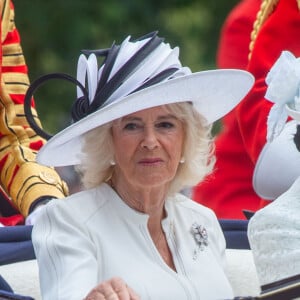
(93, 235)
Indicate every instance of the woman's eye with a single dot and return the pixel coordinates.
(166, 125)
(130, 126)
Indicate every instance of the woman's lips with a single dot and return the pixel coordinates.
(150, 161)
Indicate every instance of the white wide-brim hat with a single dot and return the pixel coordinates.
(212, 93)
(278, 165)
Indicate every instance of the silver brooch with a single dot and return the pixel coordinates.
(201, 238)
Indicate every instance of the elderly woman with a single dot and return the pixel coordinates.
(141, 134)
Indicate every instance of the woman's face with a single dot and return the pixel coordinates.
(148, 147)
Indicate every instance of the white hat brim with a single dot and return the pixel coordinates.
(278, 165)
(213, 93)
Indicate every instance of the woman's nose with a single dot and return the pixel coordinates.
(150, 140)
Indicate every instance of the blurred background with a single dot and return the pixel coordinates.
(53, 33)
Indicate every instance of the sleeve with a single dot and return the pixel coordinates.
(279, 31)
(22, 179)
(65, 251)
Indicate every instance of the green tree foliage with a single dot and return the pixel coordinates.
(53, 33)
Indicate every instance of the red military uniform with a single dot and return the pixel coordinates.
(23, 181)
(275, 29)
(279, 32)
(229, 189)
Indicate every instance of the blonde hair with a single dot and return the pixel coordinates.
(198, 151)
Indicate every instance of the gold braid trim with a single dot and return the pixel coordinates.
(298, 2)
(266, 8)
(33, 181)
(12, 55)
(5, 13)
(21, 177)
(15, 83)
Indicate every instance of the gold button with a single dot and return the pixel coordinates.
(48, 178)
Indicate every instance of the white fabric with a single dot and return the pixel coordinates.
(23, 276)
(93, 235)
(293, 109)
(283, 87)
(87, 70)
(32, 217)
(274, 236)
(242, 273)
(278, 164)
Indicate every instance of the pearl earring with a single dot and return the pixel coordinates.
(112, 162)
(182, 161)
